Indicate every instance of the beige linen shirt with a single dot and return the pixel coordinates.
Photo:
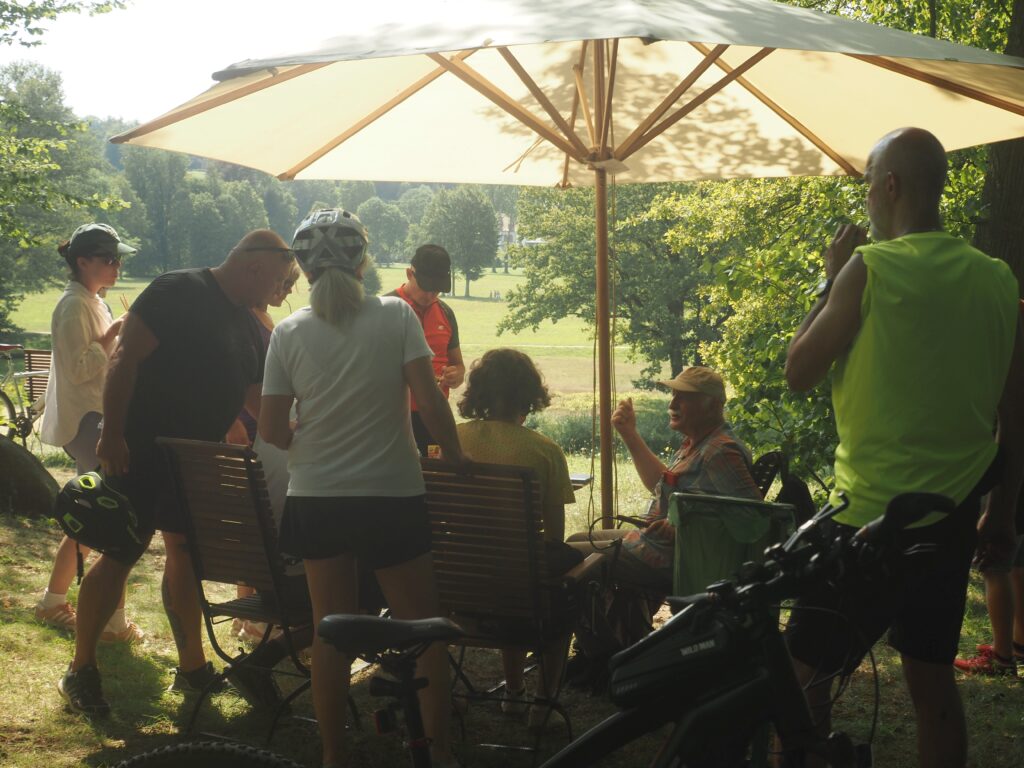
(79, 364)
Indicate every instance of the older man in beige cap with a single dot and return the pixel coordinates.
(710, 460)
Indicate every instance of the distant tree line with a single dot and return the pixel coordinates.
(60, 171)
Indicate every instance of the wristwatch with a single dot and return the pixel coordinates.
(824, 287)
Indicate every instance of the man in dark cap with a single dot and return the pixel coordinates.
(430, 274)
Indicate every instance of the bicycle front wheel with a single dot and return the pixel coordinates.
(209, 754)
(8, 416)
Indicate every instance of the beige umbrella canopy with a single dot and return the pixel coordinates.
(541, 92)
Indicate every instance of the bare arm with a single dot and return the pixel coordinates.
(455, 372)
(648, 466)
(137, 343)
(274, 426)
(253, 395)
(433, 408)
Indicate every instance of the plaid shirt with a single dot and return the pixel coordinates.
(719, 464)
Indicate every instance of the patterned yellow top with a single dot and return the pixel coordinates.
(500, 442)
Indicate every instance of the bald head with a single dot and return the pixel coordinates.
(907, 174)
(256, 268)
(918, 158)
(258, 245)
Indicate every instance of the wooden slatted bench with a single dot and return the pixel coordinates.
(488, 546)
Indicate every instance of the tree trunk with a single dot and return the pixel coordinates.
(1000, 233)
(467, 287)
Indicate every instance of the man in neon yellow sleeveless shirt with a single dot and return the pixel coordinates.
(922, 330)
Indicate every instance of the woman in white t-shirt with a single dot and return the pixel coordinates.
(355, 488)
(83, 335)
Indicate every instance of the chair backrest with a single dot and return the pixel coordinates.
(229, 523)
(488, 548)
(715, 535)
(36, 360)
(767, 467)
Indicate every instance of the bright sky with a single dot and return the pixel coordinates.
(142, 61)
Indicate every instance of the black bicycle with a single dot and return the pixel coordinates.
(393, 645)
(718, 672)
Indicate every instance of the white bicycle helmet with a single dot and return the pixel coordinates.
(330, 237)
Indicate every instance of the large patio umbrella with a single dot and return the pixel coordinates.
(566, 92)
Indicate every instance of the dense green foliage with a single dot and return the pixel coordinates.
(463, 220)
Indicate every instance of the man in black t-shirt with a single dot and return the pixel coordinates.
(189, 358)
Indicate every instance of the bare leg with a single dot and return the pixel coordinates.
(552, 665)
(65, 566)
(999, 599)
(1017, 579)
(513, 660)
(332, 589)
(97, 600)
(411, 593)
(941, 728)
(819, 701)
(181, 601)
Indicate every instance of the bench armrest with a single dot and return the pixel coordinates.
(583, 570)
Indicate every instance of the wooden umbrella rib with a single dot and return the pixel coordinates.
(226, 98)
(941, 82)
(573, 114)
(542, 99)
(581, 91)
(599, 92)
(607, 122)
(626, 148)
(799, 127)
(370, 118)
(488, 90)
(682, 112)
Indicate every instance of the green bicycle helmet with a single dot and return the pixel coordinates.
(95, 515)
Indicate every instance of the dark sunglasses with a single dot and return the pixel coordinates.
(108, 260)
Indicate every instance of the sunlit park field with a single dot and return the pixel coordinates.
(563, 350)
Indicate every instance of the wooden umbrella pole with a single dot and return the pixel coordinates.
(604, 347)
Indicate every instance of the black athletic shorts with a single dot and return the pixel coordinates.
(381, 531)
(149, 488)
(920, 601)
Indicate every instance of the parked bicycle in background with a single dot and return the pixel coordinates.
(18, 416)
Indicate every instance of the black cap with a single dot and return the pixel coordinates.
(433, 267)
(97, 240)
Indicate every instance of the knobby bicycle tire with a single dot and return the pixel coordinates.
(8, 425)
(209, 754)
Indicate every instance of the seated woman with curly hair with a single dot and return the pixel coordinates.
(503, 388)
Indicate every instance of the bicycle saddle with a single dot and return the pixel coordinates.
(375, 634)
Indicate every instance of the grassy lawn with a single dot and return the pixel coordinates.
(563, 351)
(36, 731)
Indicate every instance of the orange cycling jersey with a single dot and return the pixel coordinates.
(440, 329)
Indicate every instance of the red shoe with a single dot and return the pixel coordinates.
(987, 662)
(1018, 651)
